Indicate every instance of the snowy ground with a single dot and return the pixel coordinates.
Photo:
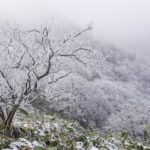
(49, 132)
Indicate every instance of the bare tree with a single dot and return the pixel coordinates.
(31, 61)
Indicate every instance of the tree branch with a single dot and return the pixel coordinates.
(48, 68)
(9, 85)
(59, 78)
(78, 34)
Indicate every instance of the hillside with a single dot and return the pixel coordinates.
(108, 88)
(50, 132)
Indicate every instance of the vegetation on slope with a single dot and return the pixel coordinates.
(50, 132)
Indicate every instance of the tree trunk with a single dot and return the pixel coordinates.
(2, 117)
(10, 117)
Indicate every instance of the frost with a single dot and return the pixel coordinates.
(94, 148)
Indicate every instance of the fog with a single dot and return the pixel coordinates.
(124, 23)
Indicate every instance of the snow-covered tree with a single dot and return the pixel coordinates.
(31, 62)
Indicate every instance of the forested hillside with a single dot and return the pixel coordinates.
(66, 71)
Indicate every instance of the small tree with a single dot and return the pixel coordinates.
(31, 61)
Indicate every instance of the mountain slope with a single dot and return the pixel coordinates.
(50, 132)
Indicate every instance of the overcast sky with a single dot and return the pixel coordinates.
(125, 22)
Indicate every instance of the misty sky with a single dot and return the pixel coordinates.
(123, 22)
